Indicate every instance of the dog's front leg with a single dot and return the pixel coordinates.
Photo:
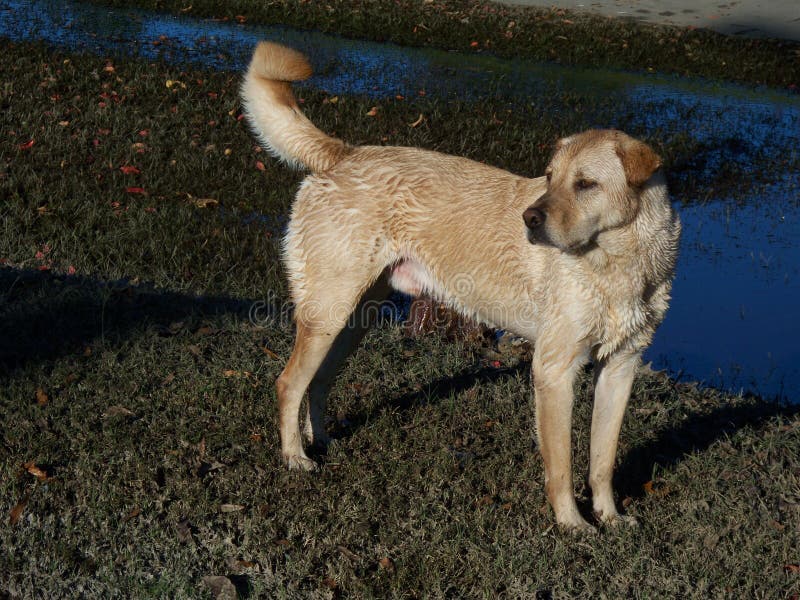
(553, 397)
(612, 388)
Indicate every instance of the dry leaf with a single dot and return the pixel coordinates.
(270, 353)
(260, 166)
(40, 474)
(348, 553)
(135, 512)
(205, 202)
(129, 170)
(229, 508)
(387, 565)
(418, 121)
(330, 583)
(16, 512)
(117, 411)
(41, 397)
(373, 111)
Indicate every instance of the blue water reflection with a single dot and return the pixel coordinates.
(735, 319)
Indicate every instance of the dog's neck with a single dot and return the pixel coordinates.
(647, 245)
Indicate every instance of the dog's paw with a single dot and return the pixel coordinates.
(577, 526)
(297, 462)
(621, 521)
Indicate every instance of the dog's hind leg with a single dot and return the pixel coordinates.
(612, 388)
(365, 314)
(320, 318)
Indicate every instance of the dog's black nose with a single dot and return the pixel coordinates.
(533, 217)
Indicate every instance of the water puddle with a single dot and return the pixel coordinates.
(735, 319)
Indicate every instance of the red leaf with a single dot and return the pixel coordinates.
(16, 512)
(260, 166)
(26, 146)
(135, 190)
(129, 170)
(144, 132)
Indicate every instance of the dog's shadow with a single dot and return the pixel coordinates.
(696, 433)
(45, 316)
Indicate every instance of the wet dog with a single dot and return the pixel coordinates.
(580, 262)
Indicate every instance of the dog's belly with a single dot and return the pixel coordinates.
(410, 277)
(476, 297)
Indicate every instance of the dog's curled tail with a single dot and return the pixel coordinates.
(273, 112)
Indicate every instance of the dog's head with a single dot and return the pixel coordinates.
(593, 184)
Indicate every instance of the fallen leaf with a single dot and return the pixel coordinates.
(41, 397)
(229, 508)
(270, 353)
(387, 565)
(348, 553)
(16, 512)
(373, 111)
(40, 474)
(117, 411)
(129, 170)
(260, 166)
(658, 490)
(135, 190)
(135, 512)
(793, 569)
(221, 587)
(330, 583)
(205, 202)
(27, 145)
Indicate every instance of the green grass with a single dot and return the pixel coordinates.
(143, 391)
(532, 33)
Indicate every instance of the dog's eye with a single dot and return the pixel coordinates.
(585, 184)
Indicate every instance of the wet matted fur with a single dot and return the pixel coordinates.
(580, 262)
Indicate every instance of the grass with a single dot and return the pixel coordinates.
(532, 33)
(139, 453)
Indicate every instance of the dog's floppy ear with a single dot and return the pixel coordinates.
(563, 142)
(638, 160)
